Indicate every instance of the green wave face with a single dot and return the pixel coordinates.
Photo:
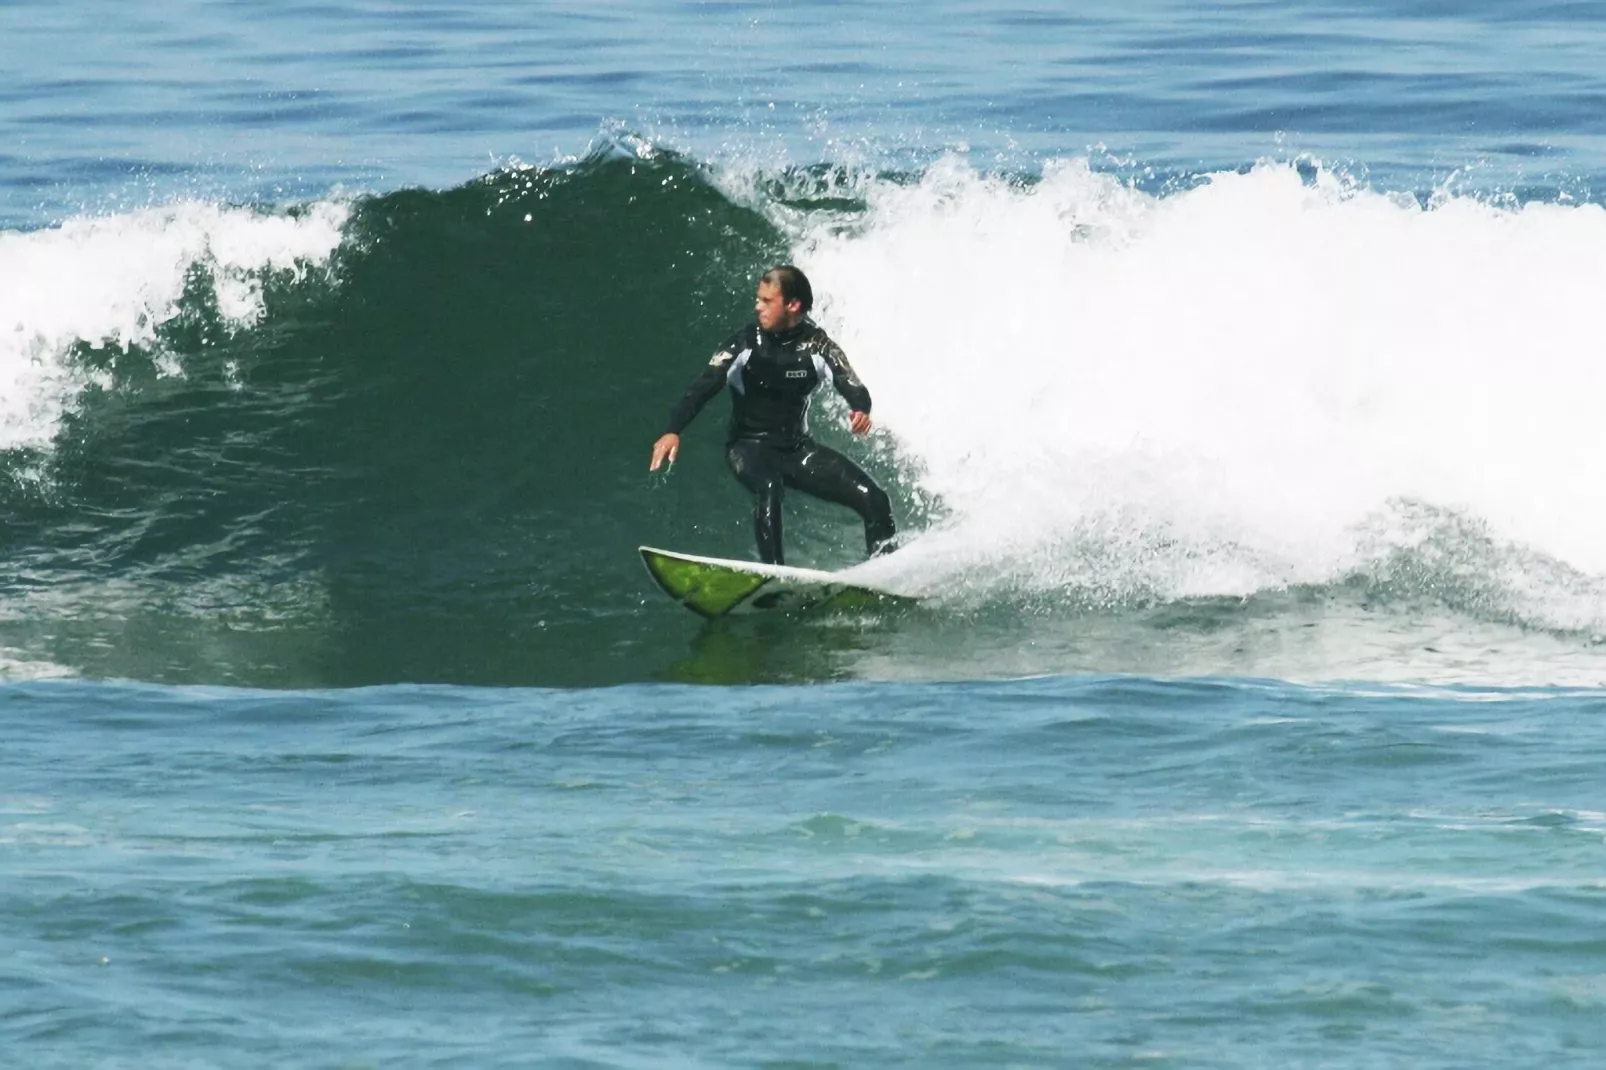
(427, 463)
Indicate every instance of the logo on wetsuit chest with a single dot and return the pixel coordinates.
(797, 373)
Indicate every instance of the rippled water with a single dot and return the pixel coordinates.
(1088, 872)
(105, 101)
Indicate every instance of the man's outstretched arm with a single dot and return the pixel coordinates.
(701, 391)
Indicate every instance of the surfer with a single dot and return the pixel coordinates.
(773, 365)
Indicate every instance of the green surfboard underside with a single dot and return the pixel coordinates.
(715, 588)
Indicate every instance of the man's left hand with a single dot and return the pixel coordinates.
(859, 423)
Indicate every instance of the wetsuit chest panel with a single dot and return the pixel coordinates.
(772, 382)
(785, 371)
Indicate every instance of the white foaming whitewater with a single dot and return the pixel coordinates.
(1262, 381)
(114, 280)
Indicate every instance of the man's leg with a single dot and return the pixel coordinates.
(755, 467)
(825, 473)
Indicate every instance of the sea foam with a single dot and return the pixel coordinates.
(1270, 378)
(114, 280)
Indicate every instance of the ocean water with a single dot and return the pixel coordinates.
(1235, 373)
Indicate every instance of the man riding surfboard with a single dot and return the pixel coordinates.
(773, 366)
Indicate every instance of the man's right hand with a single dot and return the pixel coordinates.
(667, 448)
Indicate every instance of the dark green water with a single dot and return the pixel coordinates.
(426, 462)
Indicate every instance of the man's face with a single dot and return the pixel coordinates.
(775, 314)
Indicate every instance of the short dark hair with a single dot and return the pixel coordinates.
(793, 283)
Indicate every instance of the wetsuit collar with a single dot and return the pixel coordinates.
(787, 337)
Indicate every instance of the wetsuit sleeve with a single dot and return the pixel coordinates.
(705, 386)
(843, 377)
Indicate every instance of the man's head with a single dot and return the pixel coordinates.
(784, 298)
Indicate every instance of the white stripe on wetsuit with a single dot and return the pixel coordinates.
(734, 375)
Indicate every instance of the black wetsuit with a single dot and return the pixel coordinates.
(772, 375)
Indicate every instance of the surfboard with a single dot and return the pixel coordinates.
(716, 587)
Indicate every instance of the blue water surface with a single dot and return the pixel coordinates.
(1097, 871)
(107, 103)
